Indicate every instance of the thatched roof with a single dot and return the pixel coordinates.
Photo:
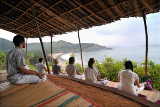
(60, 16)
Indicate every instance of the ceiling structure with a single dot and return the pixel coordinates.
(34, 18)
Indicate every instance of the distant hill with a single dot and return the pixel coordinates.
(5, 45)
(60, 46)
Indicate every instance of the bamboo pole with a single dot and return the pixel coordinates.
(80, 50)
(43, 50)
(52, 50)
(51, 45)
(146, 51)
(44, 54)
(26, 46)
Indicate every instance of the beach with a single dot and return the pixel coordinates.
(136, 54)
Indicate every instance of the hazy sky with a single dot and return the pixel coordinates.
(126, 32)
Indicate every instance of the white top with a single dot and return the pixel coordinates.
(40, 67)
(15, 59)
(127, 80)
(71, 70)
(91, 74)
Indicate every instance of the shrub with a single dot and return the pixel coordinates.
(109, 68)
(79, 68)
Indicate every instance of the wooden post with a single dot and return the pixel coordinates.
(44, 54)
(52, 50)
(43, 50)
(26, 46)
(80, 50)
(146, 51)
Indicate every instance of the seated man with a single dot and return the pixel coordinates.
(92, 74)
(70, 68)
(129, 81)
(17, 72)
(56, 69)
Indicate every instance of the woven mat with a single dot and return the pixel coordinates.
(45, 94)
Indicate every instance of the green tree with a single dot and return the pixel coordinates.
(2, 58)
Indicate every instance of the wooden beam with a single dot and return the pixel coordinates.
(24, 14)
(43, 50)
(26, 46)
(38, 19)
(39, 14)
(51, 45)
(146, 52)
(105, 7)
(146, 4)
(70, 12)
(52, 50)
(80, 50)
(77, 22)
(80, 6)
(117, 11)
(137, 5)
(8, 12)
(90, 11)
(10, 23)
(62, 20)
(108, 10)
(44, 54)
(47, 30)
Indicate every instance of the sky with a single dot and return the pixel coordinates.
(125, 32)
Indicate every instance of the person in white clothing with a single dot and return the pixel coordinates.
(92, 74)
(71, 68)
(17, 71)
(129, 81)
(40, 66)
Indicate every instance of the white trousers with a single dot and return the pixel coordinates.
(24, 78)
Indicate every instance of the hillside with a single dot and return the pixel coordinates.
(5, 45)
(60, 46)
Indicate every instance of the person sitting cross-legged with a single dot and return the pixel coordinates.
(92, 74)
(16, 68)
(129, 81)
(71, 68)
(56, 69)
(40, 66)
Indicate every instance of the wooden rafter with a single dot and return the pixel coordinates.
(146, 4)
(80, 6)
(38, 19)
(79, 22)
(13, 23)
(75, 14)
(23, 15)
(62, 20)
(16, 6)
(40, 13)
(83, 6)
(109, 12)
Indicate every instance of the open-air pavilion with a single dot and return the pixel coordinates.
(38, 18)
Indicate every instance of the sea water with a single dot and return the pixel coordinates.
(119, 53)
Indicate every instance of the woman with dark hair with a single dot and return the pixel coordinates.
(129, 81)
(70, 68)
(92, 74)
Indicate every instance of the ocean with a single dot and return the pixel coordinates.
(119, 53)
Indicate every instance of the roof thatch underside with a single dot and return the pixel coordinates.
(60, 16)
